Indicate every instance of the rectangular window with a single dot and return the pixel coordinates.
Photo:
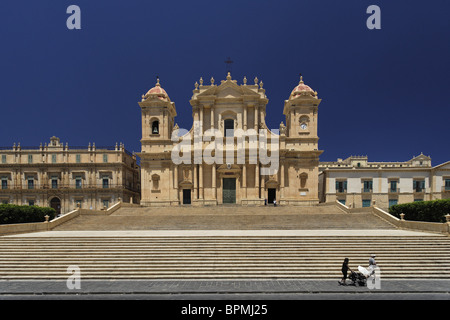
(105, 158)
(31, 202)
(393, 202)
(342, 201)
(54, 183)
(78, 203)
(393, 187)
(106, 203)
(78, 182)
(30, 158)
(418, 185)
(447, 184)
(3, 158)
(53, 158)
(368, 184)
(366, 203)
(105, 182)
(78, 158)
(341, 186)
(30, 183)
(4, 183)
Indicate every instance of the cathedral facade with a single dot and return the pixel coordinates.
(229, 155)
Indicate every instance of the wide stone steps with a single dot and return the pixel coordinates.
(221, 257)
(226, 218)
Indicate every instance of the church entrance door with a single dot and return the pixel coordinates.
(229, 190)
(271, 195)
(186, 196)
(55, 203)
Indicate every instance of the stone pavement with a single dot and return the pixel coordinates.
(166, 287)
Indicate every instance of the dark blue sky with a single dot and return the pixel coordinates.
(384, 92)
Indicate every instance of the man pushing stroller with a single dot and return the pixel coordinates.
(362, 275)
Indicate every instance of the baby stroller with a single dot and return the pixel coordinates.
(358, 278)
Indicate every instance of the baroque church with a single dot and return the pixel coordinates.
(223, 114)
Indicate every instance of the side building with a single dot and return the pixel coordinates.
(357, 183)
(64, 178)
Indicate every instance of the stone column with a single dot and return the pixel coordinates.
(214, 181)
(256, 119)
(175, 176)
(194, 178)
(201, 120)
(200, 180)
(257, 177)
(212, 117)
(262, 188)
(244, 180)
(281, 180)
(245, 118)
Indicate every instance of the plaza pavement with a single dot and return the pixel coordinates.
(251, 288)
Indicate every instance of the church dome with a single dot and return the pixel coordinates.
(302, 90)
(158, 92)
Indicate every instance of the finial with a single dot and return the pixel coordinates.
(245, 80)
(201, 81)
(229, 76)
(301, 79)
(212, 81)
(196, 85)
(261, 84)
(157, 81)
(256, 80)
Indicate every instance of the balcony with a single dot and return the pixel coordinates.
(69, 187)
(366, 190)
(393, 191)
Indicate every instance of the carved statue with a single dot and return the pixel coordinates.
(282, 128)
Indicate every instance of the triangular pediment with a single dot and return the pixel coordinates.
(420, 157)
(228, 92)
(228, 89)
(443, 166)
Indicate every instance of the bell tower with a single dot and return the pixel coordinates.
(300, 154)
(301, 114)
(158, 114)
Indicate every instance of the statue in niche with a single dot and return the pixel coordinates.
(282, 128)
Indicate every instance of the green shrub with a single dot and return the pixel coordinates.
(11, 213)
(430, 211)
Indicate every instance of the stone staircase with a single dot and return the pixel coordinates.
(227, 218)
(220, 256)
(223, 242)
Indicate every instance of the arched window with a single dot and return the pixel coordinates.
(155, 127)
(229, 127)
